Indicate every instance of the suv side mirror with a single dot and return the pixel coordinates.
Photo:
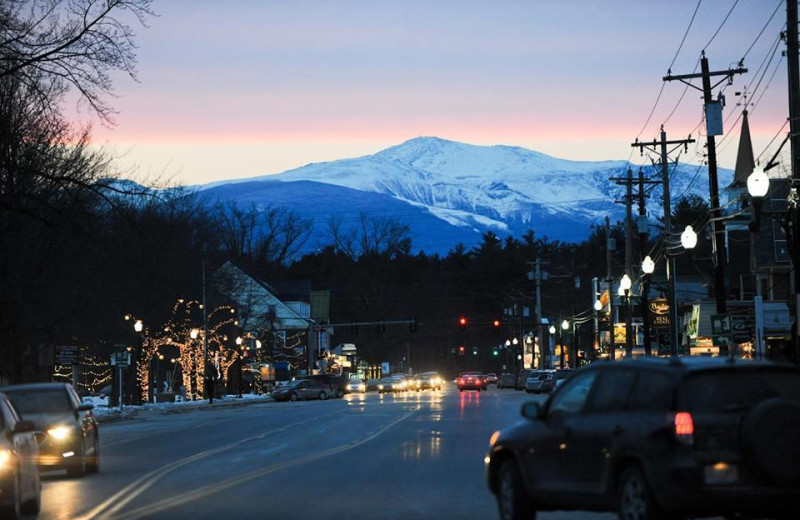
(531, 411)
(85, 407)
(24, 426)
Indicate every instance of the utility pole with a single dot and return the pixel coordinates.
(794, 143)
(671, 297)
(643, 230)
(595, 321)
(628, 182)
(544, 350)
(713, 111)
(612, 348)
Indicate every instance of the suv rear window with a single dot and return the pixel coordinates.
(732, 390)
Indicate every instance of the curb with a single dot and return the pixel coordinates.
(133, 412)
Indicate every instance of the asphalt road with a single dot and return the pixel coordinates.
(406, 456)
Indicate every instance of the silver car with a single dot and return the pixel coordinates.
(539, 382)
(303, 389)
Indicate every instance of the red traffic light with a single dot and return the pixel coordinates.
(496, 324)
(461, 350)
(462, 322)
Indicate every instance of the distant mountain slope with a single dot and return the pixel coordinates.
(451, 192)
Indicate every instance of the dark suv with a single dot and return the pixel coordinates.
(654, 439)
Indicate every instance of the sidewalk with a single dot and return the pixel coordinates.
(109, 415)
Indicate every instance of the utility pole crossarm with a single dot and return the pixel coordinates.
(727, 73)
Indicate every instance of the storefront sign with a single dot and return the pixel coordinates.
(659, 312)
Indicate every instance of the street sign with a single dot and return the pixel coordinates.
(721, 324)
(121, 358)
(67, 355)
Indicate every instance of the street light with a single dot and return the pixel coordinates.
(138, 326)
(688, 238)
(648, 266)
(625, 285)
(598, 305)
(757, 187)
(194, 333)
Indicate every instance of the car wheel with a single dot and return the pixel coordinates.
(293, 396)
(323, 396)
(14, 509)
(77, 466)
(94, 462)
(512, 499)
(635, 500)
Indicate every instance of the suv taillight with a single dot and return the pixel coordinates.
(683, 428)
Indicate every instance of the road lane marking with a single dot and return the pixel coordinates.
(205, 491)
(122, 497)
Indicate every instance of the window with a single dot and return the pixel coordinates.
(571, 399)
(652, 391)
(612, 391)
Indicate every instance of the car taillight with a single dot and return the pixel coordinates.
(684, 428)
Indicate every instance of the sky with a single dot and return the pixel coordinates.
(242, 88)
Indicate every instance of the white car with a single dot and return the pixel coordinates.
(356, 385)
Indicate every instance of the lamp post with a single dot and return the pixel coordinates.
(757, 187)
(648, 266)
(625, 285)
(598, 306)
(552, 331)
(514, 343)
(564, 329)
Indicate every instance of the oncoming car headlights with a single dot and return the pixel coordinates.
(5, 458)
(59, 433)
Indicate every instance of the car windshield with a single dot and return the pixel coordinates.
(40, 401)
(732, 390)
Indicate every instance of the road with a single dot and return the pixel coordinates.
(406, 456)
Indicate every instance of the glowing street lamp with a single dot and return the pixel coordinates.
(552, 329)
(688, 238)
(598, 305)
(194, 333)
(138, 326)
(648, 266)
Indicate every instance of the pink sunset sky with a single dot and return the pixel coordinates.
(241, 88)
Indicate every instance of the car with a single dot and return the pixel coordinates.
(430, 380)
(656, 438)
(471, 381)
(560, 376)
(403, 382)
(390, 384)
(20, 487)
(71, 439)
(299, 389)
(539, 382)
(372, 384)
(491, 379)
(356, 385)
(506, 380)
(521, 378)
(337, 382)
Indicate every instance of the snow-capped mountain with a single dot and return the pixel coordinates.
(472, 189)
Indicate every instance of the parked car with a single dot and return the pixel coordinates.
(71, 439)
(356, 385)
(491, 378)
(656, 438)
(471, 381)
(506, 380)
(299, 389)
(20, 488)
(390, 384)
(539, 382)
(430, 380)
(560, 376)
(521, 378)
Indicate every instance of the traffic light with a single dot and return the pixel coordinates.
(461, 350)
(496, 326)
(474, 351)
(462, 323)
(495, 352)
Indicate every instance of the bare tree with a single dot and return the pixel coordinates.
(53, 44)
(372, 236)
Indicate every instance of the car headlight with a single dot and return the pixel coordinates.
(380, 387)
(5, 458)
(59, 433)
